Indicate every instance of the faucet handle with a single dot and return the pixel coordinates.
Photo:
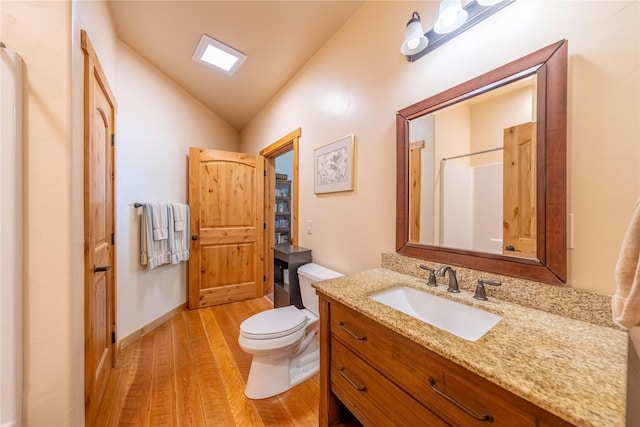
(480, 291)
(432, 275)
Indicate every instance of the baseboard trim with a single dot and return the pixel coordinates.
(124, 342)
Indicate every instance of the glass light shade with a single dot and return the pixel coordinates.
(414, 39)
(450, 17)
(488, 2)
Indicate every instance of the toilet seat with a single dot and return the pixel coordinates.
(274, 323)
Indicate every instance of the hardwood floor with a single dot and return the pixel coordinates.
(190, 371)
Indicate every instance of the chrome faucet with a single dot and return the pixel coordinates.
(453, 280)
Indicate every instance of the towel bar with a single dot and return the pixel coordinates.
(139, 205)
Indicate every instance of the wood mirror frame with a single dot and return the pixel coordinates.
(550, 67)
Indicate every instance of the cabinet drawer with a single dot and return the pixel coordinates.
(455, 394)
(393, 355)
(371, 397)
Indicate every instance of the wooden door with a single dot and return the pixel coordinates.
(99, 254)
(226, 193)
(519, 191)
(415, 189)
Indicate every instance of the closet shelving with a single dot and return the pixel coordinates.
(283, 212)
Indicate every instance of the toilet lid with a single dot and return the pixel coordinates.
(274, 323)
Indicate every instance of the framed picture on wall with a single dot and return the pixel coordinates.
(333, 166)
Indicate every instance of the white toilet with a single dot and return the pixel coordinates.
(284, 341)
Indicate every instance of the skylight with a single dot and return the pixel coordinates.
(218, 55)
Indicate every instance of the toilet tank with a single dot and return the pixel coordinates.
(308, 274)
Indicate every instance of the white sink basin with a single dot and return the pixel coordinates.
(459, 319)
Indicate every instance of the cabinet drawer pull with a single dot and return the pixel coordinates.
(484, 417)
(352, 382)
(350, 332)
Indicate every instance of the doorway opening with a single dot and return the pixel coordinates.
(281, 198)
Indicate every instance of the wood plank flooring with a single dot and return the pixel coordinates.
(190, 371)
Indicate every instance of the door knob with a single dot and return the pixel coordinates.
(102, 268)
(194, 237)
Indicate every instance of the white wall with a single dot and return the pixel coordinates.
(47, 35)
(472, 206)
(456, 197)
(11, 237)
(355, 84)
(156, 124)
(156, 121)
(358, 80)
(487, 208)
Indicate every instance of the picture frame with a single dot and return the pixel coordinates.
(334, 166)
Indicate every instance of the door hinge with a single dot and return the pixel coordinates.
(113, 337)
(113, 239)
(264, 278)
(264, 225)
(264, 173)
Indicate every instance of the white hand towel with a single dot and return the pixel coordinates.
(180, 238)
(180, 213)
(152, 252)
(625, 303)
(159, 215)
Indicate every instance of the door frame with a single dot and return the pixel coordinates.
(93, 70)
(289, 142)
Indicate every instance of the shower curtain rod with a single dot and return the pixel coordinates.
(472, 154)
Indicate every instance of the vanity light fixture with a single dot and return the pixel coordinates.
(488, 2)
(218, 55)
(452, 22)
(414, 39)
(451, 16)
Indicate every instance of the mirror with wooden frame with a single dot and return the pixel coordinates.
(523, 219)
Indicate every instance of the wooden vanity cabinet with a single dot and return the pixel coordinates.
(384, 378)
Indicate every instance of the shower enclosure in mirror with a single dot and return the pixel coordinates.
(482, 171)
(472, 173)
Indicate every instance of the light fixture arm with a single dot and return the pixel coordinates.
(476, 14)
(414, 40)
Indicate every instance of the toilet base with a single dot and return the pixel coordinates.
(269, 377)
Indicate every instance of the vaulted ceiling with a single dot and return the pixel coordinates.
(278, 37)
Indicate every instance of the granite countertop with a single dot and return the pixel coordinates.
(573, 369)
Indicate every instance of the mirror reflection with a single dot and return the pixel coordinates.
(529, 138)
(472, 173)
